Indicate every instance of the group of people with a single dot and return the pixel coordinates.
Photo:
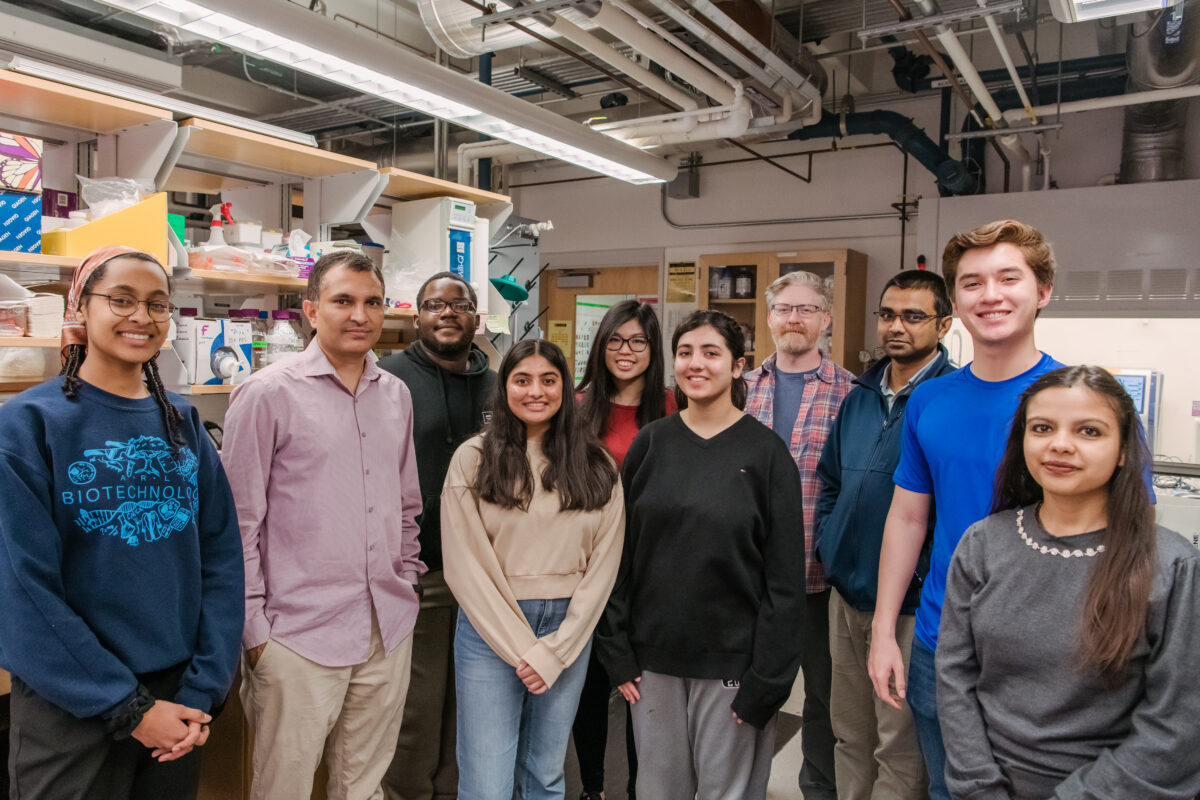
(432, 572)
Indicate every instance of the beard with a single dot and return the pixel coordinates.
(447, 350)
(793, 343)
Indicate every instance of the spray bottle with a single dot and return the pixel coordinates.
(216, 236)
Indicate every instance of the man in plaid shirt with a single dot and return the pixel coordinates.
(796, 392)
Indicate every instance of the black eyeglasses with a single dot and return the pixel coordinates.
(637, 344)
(123, 306)
(786, 309)
(909, 317)
(435, 306)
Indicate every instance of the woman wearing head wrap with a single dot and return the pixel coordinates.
(121, 576)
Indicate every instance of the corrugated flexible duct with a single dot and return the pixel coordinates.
(1166, 56)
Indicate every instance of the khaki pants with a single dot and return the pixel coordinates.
(300, 710)
(876, 756)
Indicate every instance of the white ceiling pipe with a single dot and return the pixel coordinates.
(1019, 156)
(589, 42)
(733, 126)
(793, 79)
(1116, 101)
(674, 41)
(471, 152)
(701, 32)
(998, 37)
(663, 124)
(625, 28)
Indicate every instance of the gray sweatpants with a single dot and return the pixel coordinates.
(690, 747)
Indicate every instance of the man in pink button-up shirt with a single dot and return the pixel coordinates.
(319, 451)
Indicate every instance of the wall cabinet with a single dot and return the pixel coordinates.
(735, 284)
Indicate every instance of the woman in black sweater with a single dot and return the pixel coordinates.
(701, 633)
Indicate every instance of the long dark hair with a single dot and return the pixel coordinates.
(735, 340)
(577, 467)
(76, 353)
(598, 385)
(1114, 610)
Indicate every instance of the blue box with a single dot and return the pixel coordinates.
(20, 222)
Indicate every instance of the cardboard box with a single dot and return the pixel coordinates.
(20, 222)
(20, 163)
(142, 225)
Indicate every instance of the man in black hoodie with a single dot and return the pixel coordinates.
(451, 383)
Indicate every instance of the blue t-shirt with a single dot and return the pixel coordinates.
(955, 428)
(787, 400)
(119, 553)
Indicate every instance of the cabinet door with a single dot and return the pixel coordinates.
(846, 271)
(734, 283)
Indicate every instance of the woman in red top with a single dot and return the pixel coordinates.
(623, 388)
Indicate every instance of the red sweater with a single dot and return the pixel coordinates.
(621, 426)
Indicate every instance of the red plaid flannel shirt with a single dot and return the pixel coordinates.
(819, 408)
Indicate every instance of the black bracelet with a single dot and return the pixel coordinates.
(122, 724)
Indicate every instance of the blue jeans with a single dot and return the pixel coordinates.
(922, 700)
(508, 738)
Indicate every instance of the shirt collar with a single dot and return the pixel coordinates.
(316, 363)
(885, 379)
(825, 372)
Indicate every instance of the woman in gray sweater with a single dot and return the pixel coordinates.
(1070, 631)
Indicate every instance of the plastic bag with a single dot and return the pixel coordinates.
(104, 196)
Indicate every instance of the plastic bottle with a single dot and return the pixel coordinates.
(259, 328)
(294, 319)
(725, 284)
(282, 340)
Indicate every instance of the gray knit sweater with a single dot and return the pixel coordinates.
(1020, 717)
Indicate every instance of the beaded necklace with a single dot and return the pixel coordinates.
(1053, 551)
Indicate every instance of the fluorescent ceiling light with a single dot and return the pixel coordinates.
(284, 32)
(1082, 10)
(52, 72)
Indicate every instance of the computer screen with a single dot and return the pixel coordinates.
(1136, 386)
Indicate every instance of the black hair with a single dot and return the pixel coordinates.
(451, 276)
(578, 467)
(76, 353)
(350, 259)
(1114, 610)
(922, 279)
(598, 385)
(735, 340)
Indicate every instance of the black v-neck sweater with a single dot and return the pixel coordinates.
(712, 575)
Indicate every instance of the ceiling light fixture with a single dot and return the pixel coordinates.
(1082, 10)
(284, 32)
(81, 80)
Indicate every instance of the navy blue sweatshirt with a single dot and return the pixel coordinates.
(119, 553)
(856, 469)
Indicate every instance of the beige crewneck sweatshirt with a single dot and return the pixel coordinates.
(495, 556)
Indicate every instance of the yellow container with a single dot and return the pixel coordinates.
(143, 226)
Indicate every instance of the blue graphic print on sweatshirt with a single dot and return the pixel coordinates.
(134, 474)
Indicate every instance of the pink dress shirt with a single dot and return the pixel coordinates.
(326, 488)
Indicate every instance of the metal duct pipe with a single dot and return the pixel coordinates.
(951, 175)
(1165, 57)
(954, 49)
(589, 42)
(626, 29)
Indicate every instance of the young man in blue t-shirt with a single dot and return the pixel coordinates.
(999, 275)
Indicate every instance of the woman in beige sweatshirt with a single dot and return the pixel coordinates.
(532, 524)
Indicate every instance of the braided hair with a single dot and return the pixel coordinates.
(76, 353)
